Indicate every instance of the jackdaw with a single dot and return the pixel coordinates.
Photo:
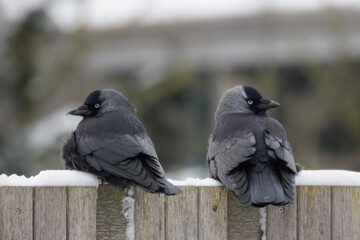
(112, 143)
(249, 152)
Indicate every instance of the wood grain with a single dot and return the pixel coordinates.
(243, 223)
(149, 215)
(345, 213)
(16, 213)
(81, 213)
(205, 212)
(110, 221)
(181, 214)
(212, 213)
(314, 212)
(50, 213)
(281, 222)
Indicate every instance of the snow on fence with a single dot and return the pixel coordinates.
(205, 210)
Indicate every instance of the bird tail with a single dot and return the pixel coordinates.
(171, 189)
(266, 188)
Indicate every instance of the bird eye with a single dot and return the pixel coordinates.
(96, 105)
(250, 102)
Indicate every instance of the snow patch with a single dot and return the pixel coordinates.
(304, 178)
(196, 182)
(128, 205)
(198, 171)
(78, 178)
(327, 178)
(262, 222)
(51, 178)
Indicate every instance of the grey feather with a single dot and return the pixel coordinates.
(282, 153)
(249, 152)
(112, 143)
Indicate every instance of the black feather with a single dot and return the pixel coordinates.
(252, 93)
(115, 146)
(93, 98)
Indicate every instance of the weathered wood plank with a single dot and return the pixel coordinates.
(81, 213)
(198, 213)
(110, 221)
(149, 215)
(181, 214)
(281, 222)
(16, 213)
(345, 214)
(212, 213)
(243, 223)
(50, 213)
(314, 212)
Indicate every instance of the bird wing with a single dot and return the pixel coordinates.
(227, 155)
(120, 156)
(280, 152)
(280, 149)
(231, 152)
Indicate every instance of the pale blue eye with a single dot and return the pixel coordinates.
(96, 105)
(250, 102)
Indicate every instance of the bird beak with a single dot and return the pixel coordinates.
(81, 111)
(266, 104)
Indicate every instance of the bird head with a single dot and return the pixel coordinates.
(103, 101)
(243, 99)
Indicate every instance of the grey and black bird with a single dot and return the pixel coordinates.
(112, 143)
(249, 152)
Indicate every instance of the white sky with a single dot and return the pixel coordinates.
(69, 14)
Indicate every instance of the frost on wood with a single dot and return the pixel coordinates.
(328, 178)
(51, 178)
(262, 222)
(77, 178)
(305, 177)
(128, 205)
(196, 182)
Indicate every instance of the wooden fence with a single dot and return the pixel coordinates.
(50, 213)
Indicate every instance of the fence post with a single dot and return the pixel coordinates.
(16, 213)
(314, 212)
(199, 212)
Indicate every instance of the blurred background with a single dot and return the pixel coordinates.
(174, 60)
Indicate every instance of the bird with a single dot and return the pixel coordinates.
(249, 152)
(112, 143)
